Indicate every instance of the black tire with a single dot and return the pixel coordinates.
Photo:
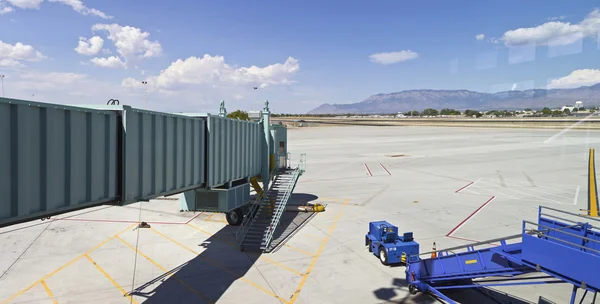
(370, 246)
(383, 258)
(235, 217)
(412, 289)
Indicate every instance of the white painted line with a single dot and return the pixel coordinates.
(576, 196)
(528, 188)
(524, 193)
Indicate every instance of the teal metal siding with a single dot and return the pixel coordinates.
(54, 159)
(234, 149)
(164, 154)
(279, 134)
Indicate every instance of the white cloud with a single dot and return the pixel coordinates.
(11, 63)
(110, 62)
(214, 71)
(66, 88)
(26, 3)
(5, 10)
(89, 46)
(131, 42)
(554, 32)
(53, 78)
(480, 37)
(514, 87)
(19, 51)
(393, 57)
(577, 78)
(132, 83)
(79, 7)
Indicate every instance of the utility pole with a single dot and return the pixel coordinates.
(145, 83)
(2, 79)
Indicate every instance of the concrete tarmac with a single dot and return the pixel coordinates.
(428, 180)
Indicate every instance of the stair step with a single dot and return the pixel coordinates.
(255, 239)
(255, 232)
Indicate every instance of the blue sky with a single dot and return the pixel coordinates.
(301, 54)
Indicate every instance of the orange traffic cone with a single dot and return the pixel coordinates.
(433, 253)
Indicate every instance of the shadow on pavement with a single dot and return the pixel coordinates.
(206, 278)
(292, 221)
(465, 296)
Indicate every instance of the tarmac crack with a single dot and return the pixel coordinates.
(24, 251)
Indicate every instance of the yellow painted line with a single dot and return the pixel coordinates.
(314, 260)
(49, 292)
(299, 250)
(314, 237)
(593, 192)
(110, 278)
(235, 274)
(200, 229)
(281, 265)
(209, 216)
(216, 221)
(190, 288)
(234, 245)
(66, 265)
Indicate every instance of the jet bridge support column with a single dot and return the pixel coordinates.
(266, 115)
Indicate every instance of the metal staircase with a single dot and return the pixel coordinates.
(256, 232)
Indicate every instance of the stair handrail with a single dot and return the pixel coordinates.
(240, 235)
(284, 200)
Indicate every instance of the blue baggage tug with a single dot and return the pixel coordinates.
(384, 242)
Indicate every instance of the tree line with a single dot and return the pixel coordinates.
(546, 112)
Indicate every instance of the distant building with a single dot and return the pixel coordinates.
(567, 107)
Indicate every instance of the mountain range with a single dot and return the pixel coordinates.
(419, 100)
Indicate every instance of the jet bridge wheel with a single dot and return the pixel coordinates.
(235, 217)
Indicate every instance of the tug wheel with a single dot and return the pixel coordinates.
(383, 256)
(412, 289)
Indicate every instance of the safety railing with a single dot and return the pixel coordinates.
(281, 206)
(254, 208)
(563, 237)
(572, 217)
(297, 161)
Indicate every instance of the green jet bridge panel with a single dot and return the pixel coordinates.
(58, 158)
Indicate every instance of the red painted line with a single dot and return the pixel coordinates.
(386, 170)
(125, 221)
(368, 171)
(464, 187)
(193, 217)
(470, 216)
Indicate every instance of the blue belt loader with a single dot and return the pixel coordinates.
(383, 241)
